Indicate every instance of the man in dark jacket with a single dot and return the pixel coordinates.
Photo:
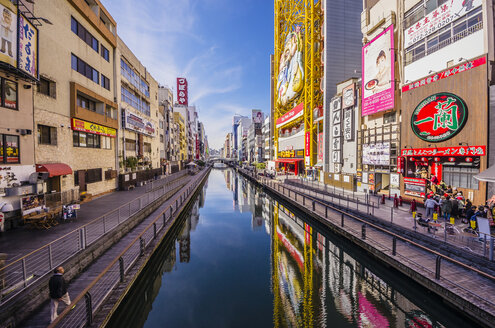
(58, 292)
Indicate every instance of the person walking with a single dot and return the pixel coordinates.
(430, 206)
(58, 292)
(446, 208)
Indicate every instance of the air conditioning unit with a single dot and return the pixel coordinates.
(36, 177)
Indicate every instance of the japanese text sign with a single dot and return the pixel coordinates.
(28, 47)
(83, 126)
(378, 73)
(439, 117)
(182, 97)
(446, 151)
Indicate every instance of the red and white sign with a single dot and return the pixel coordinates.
(436, 170)
(400, 164)
(182, 91)
(291, 115)
(415, 181)
(415, 187)
(445, 74)
(446, 151)
(307, 139)
(437, 19)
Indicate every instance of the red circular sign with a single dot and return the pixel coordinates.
(439, 117)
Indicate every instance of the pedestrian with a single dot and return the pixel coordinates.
(446, 208)
(455, 208)
(413, 206)
(430, 206)
(58, 292)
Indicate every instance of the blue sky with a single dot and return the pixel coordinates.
(222, 47)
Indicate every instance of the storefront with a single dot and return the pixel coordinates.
(291, 141)
(445, 131)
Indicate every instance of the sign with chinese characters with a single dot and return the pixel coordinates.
(349, 124)
(291, 115)
(336, 158)
(446, 151)
(437, 19)
(291, 153)
(439, 117)
(445, 74)
(336, 130)
(320, 147)
(336, 104)
(136, 123)
(182, 98)
(349, 96)
(376, 154)
(336, 117)
(394, 180)
(83, 126)
(8, 26)
(415, 187)
(378, 73)
(28, 47)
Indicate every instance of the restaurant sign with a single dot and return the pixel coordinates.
(291, 153)
(83, 126)
(446, 151)
(136, 123)
(439, 117)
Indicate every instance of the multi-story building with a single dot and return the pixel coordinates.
(75, 109)
(447, 103)
(266, 139)
(182, 138)
(17, 132)
(137, 94)
(165, 100)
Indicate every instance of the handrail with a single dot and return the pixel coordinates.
(116, 259)
(465, 266)
(72, 231)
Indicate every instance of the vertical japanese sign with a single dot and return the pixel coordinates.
(8, 32)
(182, 91)
(378, 73)
(320, 147)
(349, 124)
(307, 148)
(28, 47)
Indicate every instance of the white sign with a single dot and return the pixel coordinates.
(336, 144)
(336, 104)
(347, 178)
(365, 177)
(136, 123)
(376, 154)
(438, 18)
(336, 131)
(336, 117)
(394, 180)
(348, 124)
(336, 156)
(336, 177)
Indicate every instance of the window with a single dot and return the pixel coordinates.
(85, 69)
(134, 78)
(85, 140)
(106, 142)
(461, 177)
(47, 135)
(47, 87)
(9, 149)
(134, 100)
(93, 175)
(105, 53)
(83, 34)
(105, 82)
(389, 118)
(147, 147)
(130, 145)
(86, 103)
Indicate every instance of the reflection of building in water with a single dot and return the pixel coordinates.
(184, 241)
(202, 195)
(228, 178)
(257, 207)
(195, 215)
(313, 279)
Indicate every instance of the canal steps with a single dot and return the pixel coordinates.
(470, 291)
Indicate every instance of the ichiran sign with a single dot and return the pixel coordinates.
(439, 117)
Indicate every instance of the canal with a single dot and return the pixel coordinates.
(239, 258)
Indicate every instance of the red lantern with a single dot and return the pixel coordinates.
(424, 159)
(451, 159)
(412, 159)
(469, 159)
(437, 159)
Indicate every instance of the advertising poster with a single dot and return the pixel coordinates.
(378, 73)
(290, 78)
(30, 204)
(28, 47)
(8, 26)
(376, 154)
(182, 97)
(136, 123)
(257, 117)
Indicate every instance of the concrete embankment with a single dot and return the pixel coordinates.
(465, 288)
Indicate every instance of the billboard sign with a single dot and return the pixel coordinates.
(83, 126)
(349, 96)
(257, 117)
(437, 19)
(446, 151)
(291, 115)
(182, 97)
(28, 47)
(376, 154)
(378, 73)
(290, 80)
(8, 26)
(349, 124)
(439, 117)
(136, 123)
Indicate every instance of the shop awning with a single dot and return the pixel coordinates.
(289, 160)
(54, 169)
(487, 175)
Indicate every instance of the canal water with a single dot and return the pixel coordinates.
(239, 258)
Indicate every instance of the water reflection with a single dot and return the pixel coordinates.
(259, 264)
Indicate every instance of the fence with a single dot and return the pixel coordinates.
(92, 297)
(452, 274)
(16, 276)
(62, 198)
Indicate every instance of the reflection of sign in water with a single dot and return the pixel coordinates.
(290, 78)
(439, 117)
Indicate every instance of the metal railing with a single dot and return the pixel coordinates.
(154, 184)
(392, 244)
(62, 198)
(87, 303)
(23, 272)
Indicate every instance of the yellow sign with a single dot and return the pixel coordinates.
(435, 217)
(83, 126)
(291, 153)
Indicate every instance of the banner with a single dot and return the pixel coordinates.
(28, 47)
(8, 26)
(83, 126)
(376, 154)
(437, 19)
(182, 97)
(446, 151)
(378, 73)
(290, 116)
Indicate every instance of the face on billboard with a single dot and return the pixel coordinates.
(290, 72)
(378, 73)
(8, 32)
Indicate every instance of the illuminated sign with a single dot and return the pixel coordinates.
(439, 117)
(83, 126)
(446, 151)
